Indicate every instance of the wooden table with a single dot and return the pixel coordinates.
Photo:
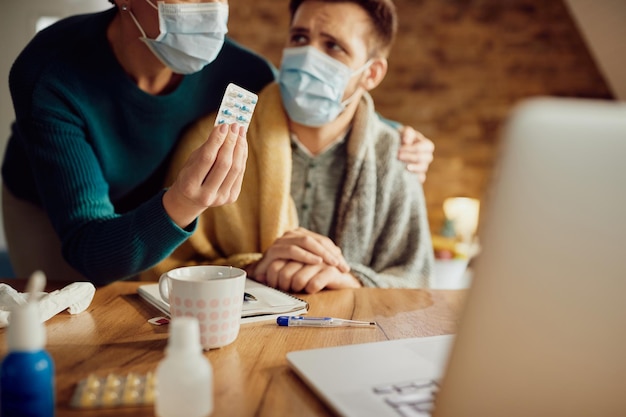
(251, 376)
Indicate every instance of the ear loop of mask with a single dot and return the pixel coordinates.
(132, 15)
(152, 5)
(350, 99)
(143, 33)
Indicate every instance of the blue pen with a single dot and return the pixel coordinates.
(304, 321)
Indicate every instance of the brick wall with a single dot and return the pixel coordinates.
(456, 69)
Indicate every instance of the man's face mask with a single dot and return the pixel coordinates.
(192, 34)
(312, 85)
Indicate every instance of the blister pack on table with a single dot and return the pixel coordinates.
(114, 391)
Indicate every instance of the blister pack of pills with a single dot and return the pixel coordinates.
(114, 391)
(237, 106)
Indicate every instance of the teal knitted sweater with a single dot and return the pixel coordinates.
(91, 148)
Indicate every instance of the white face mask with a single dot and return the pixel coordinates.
(192, 34)
(312, 85)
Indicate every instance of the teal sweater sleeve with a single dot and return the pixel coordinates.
(92, 149)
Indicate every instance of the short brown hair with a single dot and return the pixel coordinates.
(382, 14)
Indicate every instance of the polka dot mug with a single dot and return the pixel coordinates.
(212, 294)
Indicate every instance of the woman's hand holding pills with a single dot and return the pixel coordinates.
(212, 176)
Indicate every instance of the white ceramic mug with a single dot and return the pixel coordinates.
(213, 294)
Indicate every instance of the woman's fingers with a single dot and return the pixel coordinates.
(200, 161)
(416, 151)
(212, 175)
(234, 180)
(228, 166)
(226, 175)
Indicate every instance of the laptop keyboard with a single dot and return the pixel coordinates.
(410, 398)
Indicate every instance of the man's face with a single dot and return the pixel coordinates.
(340, 30)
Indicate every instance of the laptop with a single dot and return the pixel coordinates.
(543, 331)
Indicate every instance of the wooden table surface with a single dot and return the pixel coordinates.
(251, 376)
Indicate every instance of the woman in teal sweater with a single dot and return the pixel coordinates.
(100, 101)
(97, 115)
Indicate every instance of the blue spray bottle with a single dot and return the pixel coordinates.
(27, 371)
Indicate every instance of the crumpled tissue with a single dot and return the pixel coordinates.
(75, 298)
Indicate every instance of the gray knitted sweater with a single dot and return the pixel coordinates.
(382, 223)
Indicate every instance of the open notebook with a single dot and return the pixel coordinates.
(543, 331)
(270, 303)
